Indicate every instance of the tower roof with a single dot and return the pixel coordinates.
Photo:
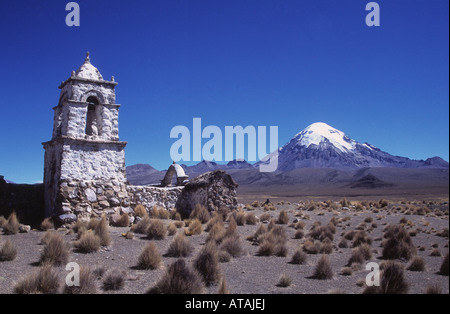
(88, 71)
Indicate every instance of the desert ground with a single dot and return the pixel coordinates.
(283, 259)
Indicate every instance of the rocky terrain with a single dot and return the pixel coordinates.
(285, 260)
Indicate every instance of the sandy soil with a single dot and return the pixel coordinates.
(250, 273)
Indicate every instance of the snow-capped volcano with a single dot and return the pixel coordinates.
(320, 132)
(322, 146)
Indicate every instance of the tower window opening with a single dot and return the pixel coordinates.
(91, 117)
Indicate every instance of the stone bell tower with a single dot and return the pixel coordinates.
(84, 169)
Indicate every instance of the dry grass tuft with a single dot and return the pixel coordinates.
(113, 280)
(262, 229)
(93, 223)
(195, 227)
(398, 244)
(171, 229)
(436, 253)
(266, 248)
(299, 257)
(2, 221)
(47, 224)
(149, 257)
(223, 287)
(102, 231)
(8, 252)
(240, 218)
(89, 242)
(46, 237)
(156, 230)
(142, 225)
(80, 225)
(56, 250)
(343, 244)
(12, 225)
(44, 281)
(207, 264)
(283, 218)
(273, 242)
(312, 247)
(216, 233)
(180, 246)
(284, 281)
(233, 246)
(321, 233)
(201, 213)
(357, 257)
(154, 212)
(123, 221)
(178, 279)
(256, 204)
(299, 234)
(163, 213)
(140, 211)
(392, 280)
(215, 219)
(265, 217)
(323, 269)
(360, 237)
(87, 284)
(417, 264)
(444, 266)
(232, 228)
(250, 219)
(347, 271)
(435, 289)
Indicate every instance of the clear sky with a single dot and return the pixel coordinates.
(288, 63)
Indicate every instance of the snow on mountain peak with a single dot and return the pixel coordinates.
(318, 132)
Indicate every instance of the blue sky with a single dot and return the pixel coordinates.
(287, 63)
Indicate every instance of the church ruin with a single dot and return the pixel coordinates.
(85, 147)
(84, 164)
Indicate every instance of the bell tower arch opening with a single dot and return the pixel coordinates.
(92, 122)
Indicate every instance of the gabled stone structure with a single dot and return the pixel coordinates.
(212, 190)
(175, 170)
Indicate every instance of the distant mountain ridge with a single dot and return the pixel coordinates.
(322, 146)
(319, 146)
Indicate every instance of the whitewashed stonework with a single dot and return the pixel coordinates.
(150, 196)
(85, 144)
(84, 164)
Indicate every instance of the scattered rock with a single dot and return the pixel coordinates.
(114, 201)
(67, 218)
(24, 228)
(104, 204)
(90, 195)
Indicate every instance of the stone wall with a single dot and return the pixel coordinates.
(212, 189)
(150, 196)
(27, 200)
(83, 199)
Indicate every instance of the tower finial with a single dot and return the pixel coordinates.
(87, 57)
